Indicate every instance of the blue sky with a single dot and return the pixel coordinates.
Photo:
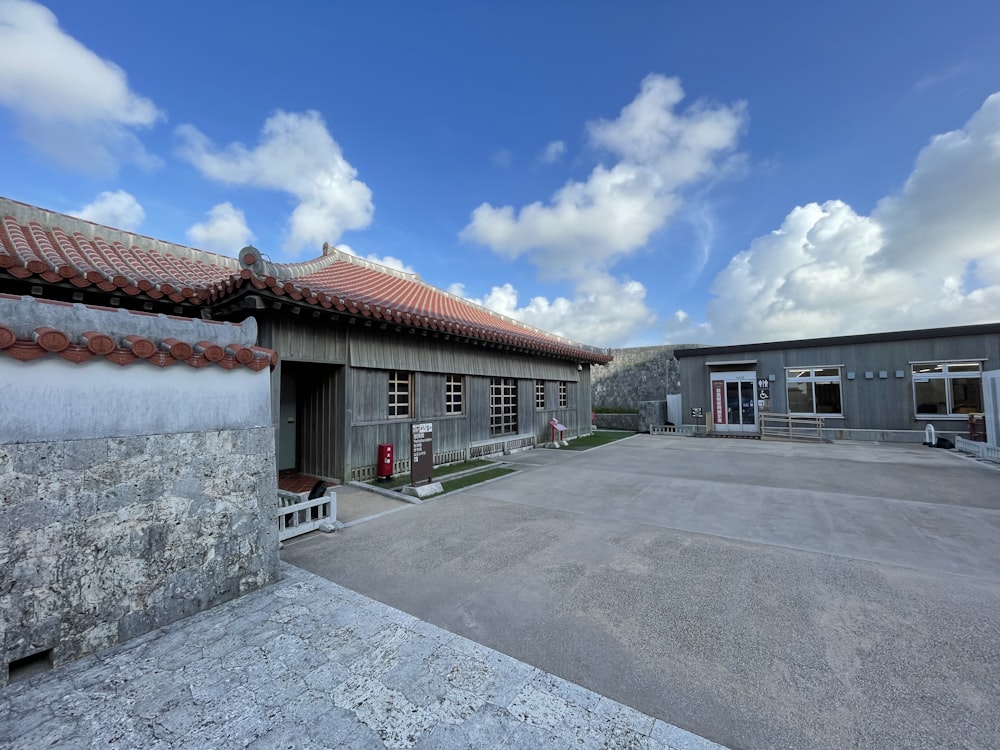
(622, 174)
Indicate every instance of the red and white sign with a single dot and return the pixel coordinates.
(719, 401)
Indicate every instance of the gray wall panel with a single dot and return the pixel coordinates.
(429, 402)
(478, 408)
(305, 339)
(868, 403)
(427, 354)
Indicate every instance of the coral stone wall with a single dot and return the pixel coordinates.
(135, 489)
(105, 539)
(647, 373)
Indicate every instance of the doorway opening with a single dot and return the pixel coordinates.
(734, 402)
(309, 430)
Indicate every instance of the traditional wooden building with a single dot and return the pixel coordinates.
(365, 351)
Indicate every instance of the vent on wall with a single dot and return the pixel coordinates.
(28, 666)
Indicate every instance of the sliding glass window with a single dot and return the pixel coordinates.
(814, 391)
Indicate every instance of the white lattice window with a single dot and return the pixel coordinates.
(563, 400)
(454, 398)
(539, 394)
(400, 391)
(503, 406)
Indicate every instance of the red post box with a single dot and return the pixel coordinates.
(384, 470)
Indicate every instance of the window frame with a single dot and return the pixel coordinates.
(563, 395)
(949, 378)
(503, 406)
(812, 380)
(539, 395)
(400, 385)
(454, 395)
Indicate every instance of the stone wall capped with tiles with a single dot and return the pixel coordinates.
(135, 490)
(109, 538)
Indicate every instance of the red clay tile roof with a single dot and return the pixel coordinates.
(25, 343)
(36, 244)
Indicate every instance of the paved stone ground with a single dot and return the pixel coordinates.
(759, 594)
(305, 664)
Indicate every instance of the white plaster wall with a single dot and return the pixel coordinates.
(991, 394)
(674, 406)
(52, 399)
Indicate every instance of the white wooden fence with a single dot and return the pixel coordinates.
(297, 514)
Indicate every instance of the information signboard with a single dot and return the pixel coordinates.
(718, 402)
(421, 452)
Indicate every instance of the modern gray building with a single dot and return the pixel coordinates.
(881, 386)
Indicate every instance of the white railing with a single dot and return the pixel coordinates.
(482, 450)
(297, 514)
(499, 447)
(977, 449)
(450, 457)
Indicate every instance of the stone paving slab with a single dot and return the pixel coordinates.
(307, 663)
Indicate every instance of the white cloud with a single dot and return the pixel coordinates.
(933, 79)
(928, 255)
(224, 232)
(296, 154)
(114, 209)
(603, 312)
(391, 261)
(589, 225)
(554, 151)
(658, 152)
(950, 204)
(502, 157)
(70, 103)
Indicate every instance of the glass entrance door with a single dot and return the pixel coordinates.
(735, 402)
(740, 403)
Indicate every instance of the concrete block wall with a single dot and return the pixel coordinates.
(108, 538)
(617, 421)
(652, 413)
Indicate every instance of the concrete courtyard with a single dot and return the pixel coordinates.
(762, 595)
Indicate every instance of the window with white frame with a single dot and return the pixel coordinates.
(503, 406)
(814, 390)
(539, 394)
(400, 390)
(949, 388)
(454, 401)
(563, 401)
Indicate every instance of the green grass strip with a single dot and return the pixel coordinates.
(601, 437)
(470, 479)
(401, 480)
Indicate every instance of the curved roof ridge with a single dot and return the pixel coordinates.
(264, 266)
(371, 265)
(76, 253)
(33, 328)
(336, 254)
(27, 214)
